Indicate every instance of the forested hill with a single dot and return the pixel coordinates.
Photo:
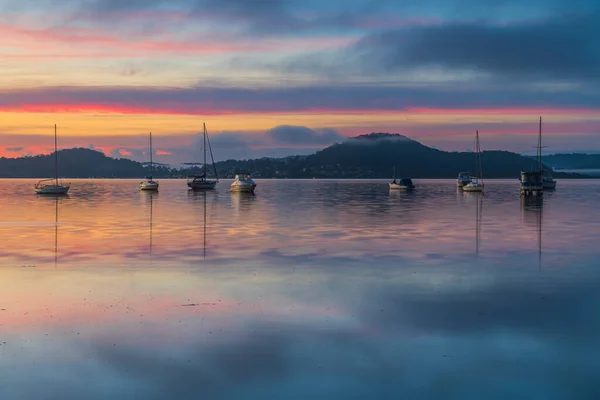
(75, 163)
(375, 155)
(367, 156)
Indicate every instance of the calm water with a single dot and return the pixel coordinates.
(307, 290)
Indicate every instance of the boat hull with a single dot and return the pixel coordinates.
(395, 186)
(245, 188)
(462, 183)
(473, 189)
(149, 186)
(203, 185)
(549, 185)
(532, 191)
(52, 189)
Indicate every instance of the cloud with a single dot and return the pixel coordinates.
(301, 135)
(15, 149)
(315, 98)
(563, 47)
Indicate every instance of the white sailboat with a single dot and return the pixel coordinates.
(53, 185)
(149, 183)
(476, 184)
(201, 182)
(402, 184)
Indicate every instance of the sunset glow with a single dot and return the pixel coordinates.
(108, 73)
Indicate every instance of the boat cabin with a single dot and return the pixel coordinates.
(406, 182)
(531, 179)
(532, 183)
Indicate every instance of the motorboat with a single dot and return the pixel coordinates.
(202, 182)
(532, 183)
(243, 183)
(149, 184)
(402, 184)
(53, 185)
(473, 186)
(476, 184)
(463, 179)
(547, 181)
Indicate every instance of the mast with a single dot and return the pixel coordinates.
(55, 156)
(540, 146)
(150, 155)
(204, 147)
(212, 158)
(479, 156)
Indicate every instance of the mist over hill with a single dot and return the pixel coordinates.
(366, 156)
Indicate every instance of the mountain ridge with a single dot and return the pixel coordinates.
(371, 155)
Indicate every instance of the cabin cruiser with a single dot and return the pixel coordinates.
(463, 179)
(403, 184)
(473, 186)
(532, 183)
(148, 184)
(547, 181)
(243, 183)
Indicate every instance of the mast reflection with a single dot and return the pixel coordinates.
(532, 215)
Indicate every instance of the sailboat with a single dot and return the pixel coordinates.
(547, 181)
(53, 185)
(201, 182)
(403, 184)
(532, 182)
(149, 184)
(476, 184)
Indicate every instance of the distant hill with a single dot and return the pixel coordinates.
(76, 163)
(374, 156)
(573, 161)
(366, 156)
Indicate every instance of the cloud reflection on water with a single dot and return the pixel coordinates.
(307, 293)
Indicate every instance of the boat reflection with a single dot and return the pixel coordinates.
(201, 197)
(478, 220)
(242, 201)
(532, 215)
(56, 199)
(150, 197)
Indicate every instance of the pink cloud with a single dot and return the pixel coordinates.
(59, 43)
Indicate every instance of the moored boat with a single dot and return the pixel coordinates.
(53, 185)
(243, 183)
(476, 184)
(547, 181)
(402, 184)
(463, 179)
(149, 184)
(532, 182)
(202, 182)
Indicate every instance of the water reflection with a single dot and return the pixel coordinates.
(296, 295)
(532, 215)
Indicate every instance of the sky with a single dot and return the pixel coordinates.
(285, 77)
